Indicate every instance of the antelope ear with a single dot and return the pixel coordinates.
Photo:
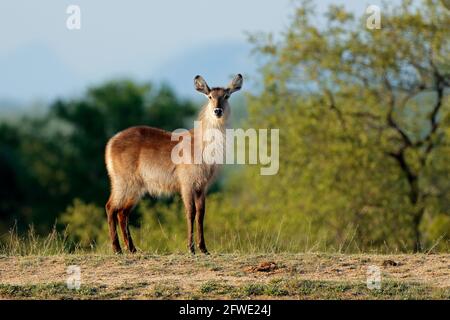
(236, 83)
(201, 85)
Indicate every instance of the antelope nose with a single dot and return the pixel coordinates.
(218, 112)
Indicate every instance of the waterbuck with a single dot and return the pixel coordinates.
(139, 161)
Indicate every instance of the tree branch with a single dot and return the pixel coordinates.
(332, 104)
(411, 176)
(390, 115)
(439, 87)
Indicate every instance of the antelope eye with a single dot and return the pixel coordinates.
(227, 96)
(209, 97)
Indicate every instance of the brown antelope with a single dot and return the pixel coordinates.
(139, 161)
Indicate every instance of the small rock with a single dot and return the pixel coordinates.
(267, 266)
(390, 263)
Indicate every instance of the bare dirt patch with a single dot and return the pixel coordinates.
(293, 276)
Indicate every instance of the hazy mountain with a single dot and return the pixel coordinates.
(216, 63)
(35, 72)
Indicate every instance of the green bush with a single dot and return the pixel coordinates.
(85, 223)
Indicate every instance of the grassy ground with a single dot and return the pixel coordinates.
(272, 276)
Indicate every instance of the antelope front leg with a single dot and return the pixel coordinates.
(199, 216)
(124, 217)
(189, 205)
(112, 222)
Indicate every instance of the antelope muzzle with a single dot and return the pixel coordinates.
(218, 112)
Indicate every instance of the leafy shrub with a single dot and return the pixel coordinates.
(86, 223)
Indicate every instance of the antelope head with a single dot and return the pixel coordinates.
(218, 105)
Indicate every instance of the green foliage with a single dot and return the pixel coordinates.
(48, 161)
(363, 117)
(364, 146)
(30, 243)
(162, 226)
(85, 223)
(438, 230)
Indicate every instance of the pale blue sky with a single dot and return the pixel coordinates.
(146, 40)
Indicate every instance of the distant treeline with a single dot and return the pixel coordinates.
(47, 161)
(364, 146)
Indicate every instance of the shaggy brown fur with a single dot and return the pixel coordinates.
(138, 161)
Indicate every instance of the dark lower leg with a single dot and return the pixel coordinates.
(190, 225)
(189, 205)
(199, 217)
(112, 222)
(131, 246)
(123, 216)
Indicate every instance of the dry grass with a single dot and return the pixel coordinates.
(275, 276)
